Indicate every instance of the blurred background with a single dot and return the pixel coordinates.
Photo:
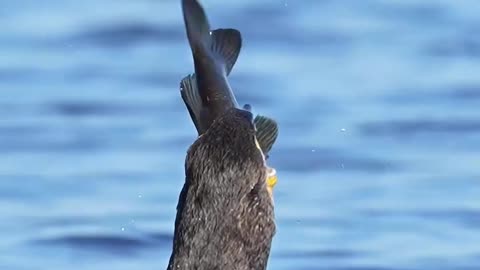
(378, 153)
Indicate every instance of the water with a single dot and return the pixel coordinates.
(377, 103)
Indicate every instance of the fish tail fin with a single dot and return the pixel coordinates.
(223, 44)
(196, 24)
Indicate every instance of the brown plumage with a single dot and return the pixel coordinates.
(225, 216)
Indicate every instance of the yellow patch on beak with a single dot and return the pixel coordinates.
(271, 180)
(271, 174)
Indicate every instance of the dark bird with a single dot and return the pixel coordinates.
(207, 93)
(225, 215)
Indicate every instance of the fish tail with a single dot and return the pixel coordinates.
(222, 44)
(196, 24)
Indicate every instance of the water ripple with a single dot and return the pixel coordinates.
(413, 127)
(461, 45)
(320, 254)
(124, 244)
(466, 217)
(328, 159)
(78, 108)
(128, 34)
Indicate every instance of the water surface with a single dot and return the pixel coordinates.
(377, 101)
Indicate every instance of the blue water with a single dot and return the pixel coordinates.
(377, 101)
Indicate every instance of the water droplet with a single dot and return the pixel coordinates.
(123, 229)
(140, 196)
(343, 166)
(313, 150)
(286, 4)
(343, 130)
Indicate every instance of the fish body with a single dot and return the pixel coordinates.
(207, 93)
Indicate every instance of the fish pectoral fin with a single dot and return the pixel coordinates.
(267, 133)
(191, 97)
(227, 43)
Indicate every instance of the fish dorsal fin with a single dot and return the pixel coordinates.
(191, 98)
(267, 132)
(226, 43)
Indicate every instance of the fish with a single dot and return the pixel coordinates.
(207, 93)
(214, 55)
